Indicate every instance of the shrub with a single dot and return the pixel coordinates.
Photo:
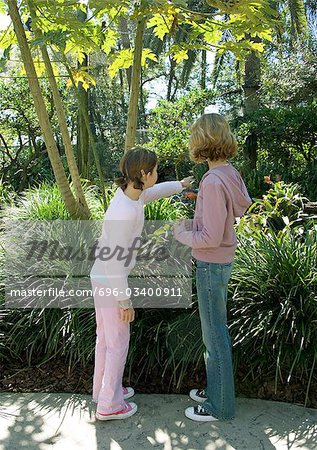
(45, 203)
(6, 194)
(169, 130)
(274, 301)
(282, 205)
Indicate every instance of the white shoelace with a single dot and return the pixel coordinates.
(200, 409)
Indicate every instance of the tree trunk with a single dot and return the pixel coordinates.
(91, 137)
(57, 101)
(82, 132)
(135, 85)
(203, 69)
(298, 17)
(125, 41)
(252, 77)
(72, 205)
(170, 79)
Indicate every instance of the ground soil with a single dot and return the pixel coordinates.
(54, 376)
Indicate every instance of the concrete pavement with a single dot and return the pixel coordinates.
(39, 421)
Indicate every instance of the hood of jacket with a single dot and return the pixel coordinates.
(234, 186)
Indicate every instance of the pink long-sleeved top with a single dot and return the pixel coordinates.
(222, 197)
(123, 223)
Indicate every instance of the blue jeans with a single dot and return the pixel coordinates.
(212, 288)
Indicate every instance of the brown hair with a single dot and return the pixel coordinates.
(131, 164)
(211, 138)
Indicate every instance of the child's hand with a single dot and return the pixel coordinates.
(178, 227)
(187, 182)
(188, 223)
(127, 315)
(126, 311)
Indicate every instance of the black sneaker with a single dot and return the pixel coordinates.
(199, 395)
(199, 414)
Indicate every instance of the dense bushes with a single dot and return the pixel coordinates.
(169, 130)
(274, 302)
(286, 146)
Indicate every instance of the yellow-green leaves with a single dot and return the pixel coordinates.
(161, 24)
(124, 59)
(7, 38)
(147, 54)
(110, 39)
(2, 7)
(179, 55)
(82, 76)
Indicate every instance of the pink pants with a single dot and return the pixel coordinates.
(111, 351)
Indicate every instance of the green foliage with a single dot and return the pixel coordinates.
(165, 209)
(171, 345)
(169, 128)
(289, 77)
(23, 156)
(45, 203)
(280, 207)
(286, 135)
(68, 29)
(108, 110)
(38, 335)
(286, 139)
(274, 299)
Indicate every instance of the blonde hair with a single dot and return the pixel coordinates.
(211, 138)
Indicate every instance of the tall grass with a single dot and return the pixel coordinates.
(45, 203)
(274, 302)
(165, 209)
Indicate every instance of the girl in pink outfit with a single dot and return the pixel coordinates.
(123, 223)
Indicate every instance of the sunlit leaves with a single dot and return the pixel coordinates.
(82, 76)
(76, 31)
(110, 38)
(124, 59)
(7, 37)
(242, 6)
(180, 54)
(161, 24)
(211, 32)
(2, 7)
(147, 54)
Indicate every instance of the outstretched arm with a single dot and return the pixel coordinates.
(165, 189)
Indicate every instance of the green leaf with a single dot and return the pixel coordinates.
(3, 7)
(110, 39)
(147, 54)
(122, 60)
(161, 24)
(180, 55)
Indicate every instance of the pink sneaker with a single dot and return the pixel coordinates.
(127, 411)
(128, 392)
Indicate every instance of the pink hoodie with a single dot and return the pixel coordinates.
(221, 198)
